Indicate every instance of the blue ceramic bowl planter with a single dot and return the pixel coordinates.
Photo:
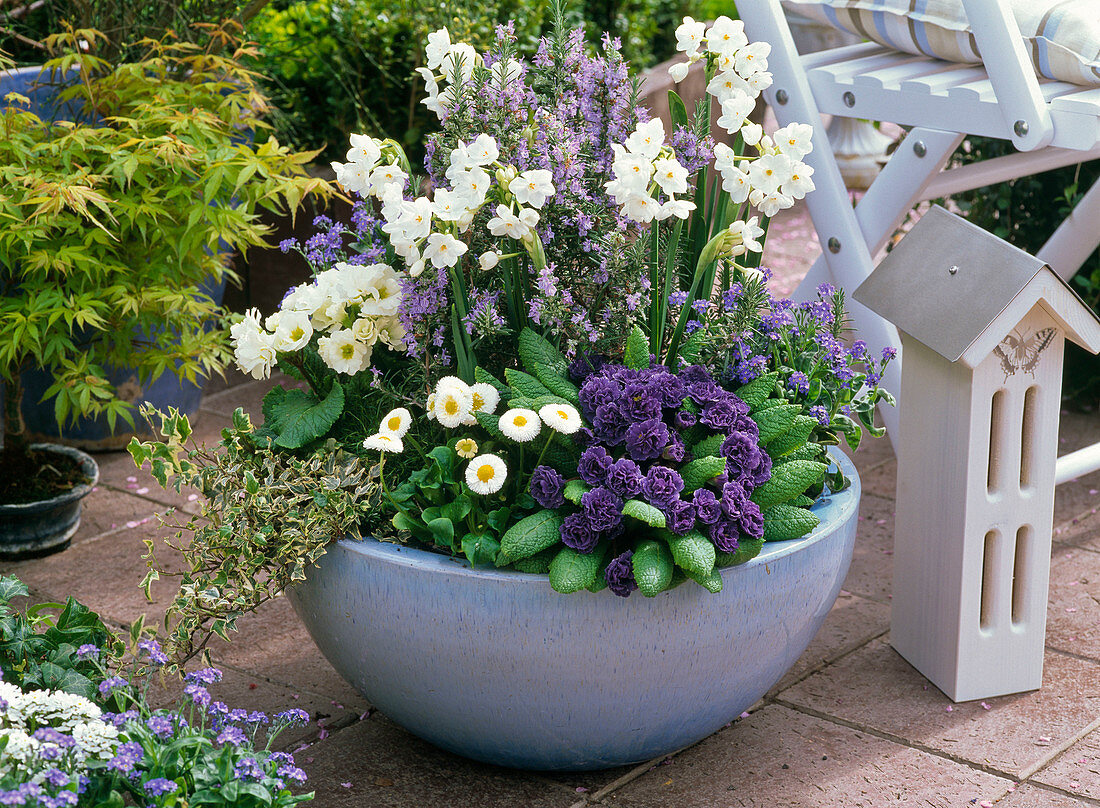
(496, 666)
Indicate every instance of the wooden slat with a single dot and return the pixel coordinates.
(908, 70)
(844, 72)
(941, 82)
(843, 54)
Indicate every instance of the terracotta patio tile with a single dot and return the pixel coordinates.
(781, 757)
(1073, 613)
(249, 396)
(1028, 796)
(375, 763)
(274, 643)
(873, 559)
(851, 622)
(103, 574)
(876, 688)
(1077, 770)
(106, 510)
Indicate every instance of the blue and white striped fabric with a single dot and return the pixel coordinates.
(1061, 36)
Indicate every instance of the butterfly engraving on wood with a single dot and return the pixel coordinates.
(1018, 352)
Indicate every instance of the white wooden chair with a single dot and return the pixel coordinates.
(1051, 123)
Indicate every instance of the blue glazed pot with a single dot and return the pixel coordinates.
(496, 666)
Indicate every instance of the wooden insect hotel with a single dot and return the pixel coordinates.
(982, 329)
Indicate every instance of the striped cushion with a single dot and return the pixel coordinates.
(1061, 36)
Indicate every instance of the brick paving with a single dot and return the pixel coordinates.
(852, 724)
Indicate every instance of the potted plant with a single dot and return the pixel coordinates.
(580, 451)
(107, 233)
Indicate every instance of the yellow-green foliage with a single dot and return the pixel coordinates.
(109, 225)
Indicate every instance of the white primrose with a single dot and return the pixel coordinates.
(342, 352)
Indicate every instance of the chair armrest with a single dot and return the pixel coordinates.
(1010, 72)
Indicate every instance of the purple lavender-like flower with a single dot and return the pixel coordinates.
(291, 772)
(152, 648)
(578, 534)
(110, 685)
(198, 694)
(57, 778)
(799, 382)
(248, 769)
(160, 726)
(232, 735)
(207, 676)
(620, 575)
(159, 786)
(594, 464)
(87, 651)
(602, 509)
(547, 486)
(820, 413)
(624, 477)
(680, 517)
(725, 535)
(54, 736)
(646, 440)
(662, 486)
(293, 717)
(126, 758)
(707, 508)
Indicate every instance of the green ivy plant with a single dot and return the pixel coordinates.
(38, 644)
(267, 515)
(110, 225)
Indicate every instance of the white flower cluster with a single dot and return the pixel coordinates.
(452, 64)
(644, 168)
(67, 713)
(455, 403)
(738, 62)
(776, 177)
(352, 307)
(372, 167)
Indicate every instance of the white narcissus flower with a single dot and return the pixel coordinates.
(448, 206)
(768, 172)
(727, 84)
(759, 82)
(647, 139)
(466, 448)
(416, 268)
(746, 232)
(799, 183)
(726, 36)
(794, 140)
(472, 185)
(385, 175)
(680, 208)
(735, 182)
(679, 71)
(505, 72)
(353, 177)
(396, 422)
(459, 63)
(562, 418)
(342, 352)
(631, 168)
(520, 424)
(752, 59)
(412, 222)
(293, 331)
(689, 36)
(532, 187)
(735, 110)
(771, 203)
(364, 150)
(443, 250)
(506, 223)
(483, 150)
(751, 133)
(439, 45)
(641, 208)
(670, 175)
(488, 260)
(384, 442)
(486, 474)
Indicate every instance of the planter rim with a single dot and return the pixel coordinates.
(79, 491)
(840, 504)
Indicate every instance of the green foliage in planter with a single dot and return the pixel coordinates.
(266, 516)
(38, 644)
(1026, 212)
(109, 226)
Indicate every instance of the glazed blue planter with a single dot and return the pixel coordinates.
(498, 667)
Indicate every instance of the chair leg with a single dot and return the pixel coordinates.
(1076, 238)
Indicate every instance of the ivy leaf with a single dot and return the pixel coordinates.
(699, 472)
(755, 392)
(480, 549)
(636, 356)
(643, 512)
(529, 536)
(12, 588)
(788, 481)
(571, 571)
(297, 417)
